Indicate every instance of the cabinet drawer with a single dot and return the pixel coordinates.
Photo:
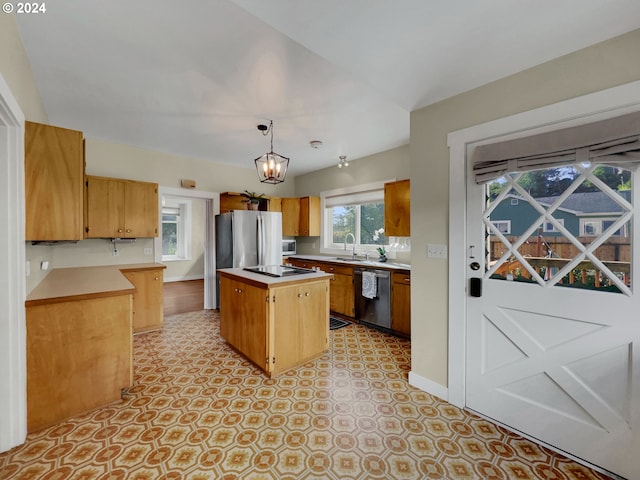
(331, 268)
(402, 277)
(302, 263)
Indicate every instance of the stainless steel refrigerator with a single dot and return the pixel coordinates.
(246, 238)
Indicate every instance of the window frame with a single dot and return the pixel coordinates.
(505, 222)
(326, 233)
(183, 228)
(546, 224)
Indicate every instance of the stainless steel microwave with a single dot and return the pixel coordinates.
(288, 247)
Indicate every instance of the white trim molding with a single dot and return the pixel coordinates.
(600, 105)
(13, 334)
(428, 386)
(212, 207)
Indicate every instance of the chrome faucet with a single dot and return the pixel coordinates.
(353, 238)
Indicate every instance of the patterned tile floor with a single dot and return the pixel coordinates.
(199, 411)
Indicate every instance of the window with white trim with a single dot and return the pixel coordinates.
(549, 227)
(176, 229)
(358, 211)
(503, 226)
(592, 227)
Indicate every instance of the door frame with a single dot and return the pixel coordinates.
(212, 208)
(13, 329)
(584, 109)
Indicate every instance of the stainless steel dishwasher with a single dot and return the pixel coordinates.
(374, 311)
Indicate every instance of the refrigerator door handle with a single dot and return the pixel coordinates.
(260, 240)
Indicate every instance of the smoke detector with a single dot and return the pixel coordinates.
(315, 144)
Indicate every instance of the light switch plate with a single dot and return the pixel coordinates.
(44, 265)
(148, 251)
(436, 251)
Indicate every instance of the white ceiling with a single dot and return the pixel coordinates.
(196, 77)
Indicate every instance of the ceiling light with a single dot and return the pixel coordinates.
(272, 167)
(315, 144)
(343, 161)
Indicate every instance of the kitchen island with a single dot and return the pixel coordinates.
(276, 322)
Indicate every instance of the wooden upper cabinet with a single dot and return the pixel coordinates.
(310, 216)
(140, 209)
(397, 209)
(301, 217)
(54, 176)
(117, 208)
(290, 217)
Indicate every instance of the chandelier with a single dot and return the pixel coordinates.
(272, 167)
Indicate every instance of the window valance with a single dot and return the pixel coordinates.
(615, 142)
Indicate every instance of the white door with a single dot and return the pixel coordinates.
(553, 339)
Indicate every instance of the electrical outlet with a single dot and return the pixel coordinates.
(148, 251)
(28, 268)
(436, 251)
(44, 265)
(116, 252)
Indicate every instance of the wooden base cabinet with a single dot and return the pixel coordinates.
(277, 327)
(148, 309)
(79, 357)
(401, 303)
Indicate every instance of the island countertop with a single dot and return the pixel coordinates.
(265, 281)
(77, 283)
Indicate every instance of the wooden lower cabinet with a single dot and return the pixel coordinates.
(148, 309)
(79, 357)
(277, 327)
(243, 319)
(342, 295)
(401, 303)
(341, 298)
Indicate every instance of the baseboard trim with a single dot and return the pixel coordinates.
(183, 278)
(428, 386)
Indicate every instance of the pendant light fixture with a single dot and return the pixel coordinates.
(271, 167)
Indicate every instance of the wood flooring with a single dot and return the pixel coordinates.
(183, 297)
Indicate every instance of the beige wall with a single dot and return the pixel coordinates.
(16, 70)
(387, 165)
(604, 65)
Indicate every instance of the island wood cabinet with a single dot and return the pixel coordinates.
(341, 293)
(147, 300)
(397, 209)
(54, 178)
(277, 327)
(401, 303)
(118, 208)
(300, 216)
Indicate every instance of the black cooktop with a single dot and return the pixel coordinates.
(278, 270)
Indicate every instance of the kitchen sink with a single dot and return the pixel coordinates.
(347, 259)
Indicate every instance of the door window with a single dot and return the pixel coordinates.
(569, 226)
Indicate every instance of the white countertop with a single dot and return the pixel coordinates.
(274, 281)
(351, 263)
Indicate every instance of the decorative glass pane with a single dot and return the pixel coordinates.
(567, 226)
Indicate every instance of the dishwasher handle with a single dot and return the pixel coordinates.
(379, 273)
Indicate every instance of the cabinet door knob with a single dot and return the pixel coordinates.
(128, 230)
(157, 278)
(299, 295)
(119, 230)
(306, 294)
